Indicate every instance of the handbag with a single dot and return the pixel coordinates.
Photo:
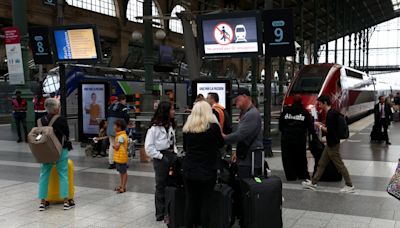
(393, 187)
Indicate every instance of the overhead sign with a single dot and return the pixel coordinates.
(40, 45)
(76, 43)
(14, 56)
(279, 32)
(50, 2)
(230, 35)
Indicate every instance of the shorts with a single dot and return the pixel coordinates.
(121, 168)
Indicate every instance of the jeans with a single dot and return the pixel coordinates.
(62, 170)
(111, 150)
(198, 201)
(332, 154)
(20, 118)
(161, 168)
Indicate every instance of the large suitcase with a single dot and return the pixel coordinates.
(221, 213)
(175, 207)
(376, 133)
(396, 116)
(262, 200)
(331, 174)
(53, 192)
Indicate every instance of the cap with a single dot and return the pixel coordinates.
(241, 91)
(112, 99)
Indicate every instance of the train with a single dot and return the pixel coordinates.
(353, 93)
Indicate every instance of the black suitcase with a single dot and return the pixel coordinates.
(262, 201)
(376, 134)
(175, 207)
(331, 174)
(221, 213)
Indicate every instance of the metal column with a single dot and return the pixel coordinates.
(367, 57)
(268, 4)
(336, 28)
(327, 33)
(344, 36)
(148, 46)
(301, 53)
(359, 48)
(316, 41)
(350, 49)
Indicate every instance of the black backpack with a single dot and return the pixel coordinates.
(227, 123)
(343, 128)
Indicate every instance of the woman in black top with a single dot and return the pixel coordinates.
(202, 139)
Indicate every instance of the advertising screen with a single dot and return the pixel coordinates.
(226, 35)
(76, 44)
(93, 107)
(219, 88)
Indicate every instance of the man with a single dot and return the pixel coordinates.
(94, 110)
(19, 110)
(332, 149)
(383, 113)
(117, 110)
(220, 112)
(248, 135)
(294, 124)
(38, 105)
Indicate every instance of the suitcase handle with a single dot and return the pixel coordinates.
(262, 162)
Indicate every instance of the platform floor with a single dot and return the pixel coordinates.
(370, 166)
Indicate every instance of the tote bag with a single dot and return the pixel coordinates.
(394, 185)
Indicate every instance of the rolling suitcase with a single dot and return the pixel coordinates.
(175, 207)
(396, 116)
(221, 214)
(331, 174)
(53, 194)
(262, 200)
(376, 134)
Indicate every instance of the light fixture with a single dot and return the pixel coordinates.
(160, 34)
(136, 36)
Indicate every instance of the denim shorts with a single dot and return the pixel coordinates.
(121, 168)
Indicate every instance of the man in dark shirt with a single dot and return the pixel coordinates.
(294, 124)
(382, 116)
(332, 150)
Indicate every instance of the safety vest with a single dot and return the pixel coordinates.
(38, 105)
(220, 109)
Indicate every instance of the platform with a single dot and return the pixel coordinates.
(370, 166)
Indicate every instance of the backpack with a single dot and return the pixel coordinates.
(43, 142)
(343, 128)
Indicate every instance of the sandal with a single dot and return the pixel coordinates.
(121, 190)
(117, 189)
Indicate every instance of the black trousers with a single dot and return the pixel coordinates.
(161, 168)
(198, 202)
(101, 146)
(294, 159)
(383, 123)
(20, 119)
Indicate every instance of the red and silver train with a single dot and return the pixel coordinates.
(352, 92)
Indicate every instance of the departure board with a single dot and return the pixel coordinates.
(75, 44)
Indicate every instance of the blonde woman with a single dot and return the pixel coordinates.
(202, 139)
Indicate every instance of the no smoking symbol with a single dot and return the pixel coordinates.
(223, 33)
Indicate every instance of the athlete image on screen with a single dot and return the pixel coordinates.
(94, 110)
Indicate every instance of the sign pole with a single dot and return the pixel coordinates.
(268, 73)
(63, 89)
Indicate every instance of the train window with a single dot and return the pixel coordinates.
(353, 74)
(308, 84)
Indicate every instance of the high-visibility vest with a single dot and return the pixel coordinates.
(220, 109)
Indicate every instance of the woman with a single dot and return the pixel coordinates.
(202, 139)
(61, 131)
(160, 144)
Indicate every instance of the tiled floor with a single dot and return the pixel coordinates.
(98, 206)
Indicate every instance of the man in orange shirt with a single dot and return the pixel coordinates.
(93, 110)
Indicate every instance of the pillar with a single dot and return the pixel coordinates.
(316, 38)
(301, 53)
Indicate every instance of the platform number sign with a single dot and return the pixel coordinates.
(278, 32)
(40, 45)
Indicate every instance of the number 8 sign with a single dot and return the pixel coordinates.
(278, 32)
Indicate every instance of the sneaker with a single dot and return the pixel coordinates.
(69, 205)
(308, 184)
(44, 206)
(348, 189)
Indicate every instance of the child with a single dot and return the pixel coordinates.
(101, 142)
(121, 153)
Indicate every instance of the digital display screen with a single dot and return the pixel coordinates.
(93, 106)
(75, 44)
(219, 88)
(230, 35)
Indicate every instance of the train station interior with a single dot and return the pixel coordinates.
(85, 54)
